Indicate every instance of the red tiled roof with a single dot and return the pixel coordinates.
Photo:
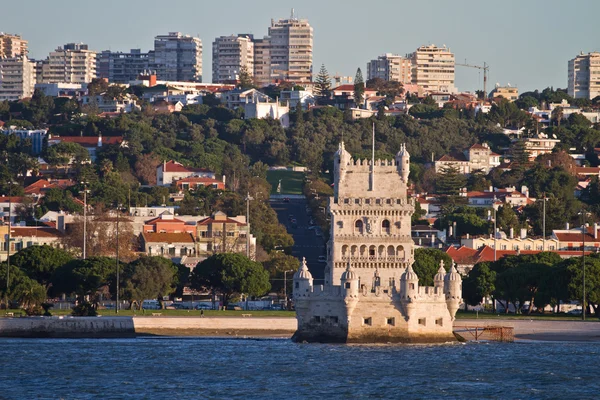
(454, 157)
(462, 255)
(478, 146)
(159, 219)
(41, 185)
(13, 199)
(174, 166)
(587, 170)
(163, 237)
(210, 220)
(575, 237)
(29, 231)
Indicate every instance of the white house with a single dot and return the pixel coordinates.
(172, 171)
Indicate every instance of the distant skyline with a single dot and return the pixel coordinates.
(526, 44)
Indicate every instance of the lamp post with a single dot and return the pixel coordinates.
(285, 300)
(248, 198)
(117, 260)
(544, 224)
(583, 232)
(495, 235)
(85, 191)
(10, 183)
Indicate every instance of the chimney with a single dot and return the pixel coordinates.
(450, 231)
(224, 179)
(454, 226)
(467, 235)
(567, 226)
(595, 230)
(60, 223)
(491, 188)
(99, 140)
(523, 233)
(512, 233)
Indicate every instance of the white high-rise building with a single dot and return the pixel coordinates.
(71, 63)
(17, 78)
(390, 67)
(291, 50)
(12, 46)
(177, 57)
(433, 68)
(584, 76)
(230, 55)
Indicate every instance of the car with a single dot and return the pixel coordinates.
(322, 259)
(180, 306)
(203, 307)
(233, 307)
(575, 311)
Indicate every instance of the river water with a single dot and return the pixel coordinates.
(204, 368)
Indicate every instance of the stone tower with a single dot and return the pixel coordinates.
(371, 293)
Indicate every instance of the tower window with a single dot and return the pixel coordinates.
(439, 321)
(368, 321)
(422, 321)
(347, 285)
(391, 321)
(358, 226)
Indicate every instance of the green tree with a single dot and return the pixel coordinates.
(450, 181)
(40, 262)
(592, 280)
(359, 88)
(277, 263)
(246, 79)
(479, 284)
(84, 277)
(323, 83)
(427, 263)
(506, 218)
(149, 278)
(230, 274)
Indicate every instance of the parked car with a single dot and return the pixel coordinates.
(203, 307)
(233, 307)
(151, 305)
(575, 311)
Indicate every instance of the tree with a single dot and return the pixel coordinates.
(149, 278)
(592, 280)
(84, 277)
(97, 86)
(359, 88)
(277, 263)
(40, 262)
(427, 263)
(450, 181)
(506, 219)
(323, 83)
(246, 79)
(479, 284)
(230, 274)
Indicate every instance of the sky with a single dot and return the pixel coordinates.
(525, 43)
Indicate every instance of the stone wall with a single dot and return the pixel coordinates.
(67, 327)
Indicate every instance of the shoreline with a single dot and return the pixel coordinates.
(262, 327)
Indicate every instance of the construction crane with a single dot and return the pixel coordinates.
(485, 69)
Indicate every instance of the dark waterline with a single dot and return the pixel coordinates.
(202, 368)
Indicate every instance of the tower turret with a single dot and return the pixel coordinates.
(453, 290)
(438, 279)
(349, 281)
(409, 283)
(341, 158)
(303, 280)
(403, 162)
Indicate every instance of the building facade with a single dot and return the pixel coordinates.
(262, 62)
(508, 92)
(230, 55)
(433, 68)
(291, 50)
(120, 67)
(390, 67)
(478, 157)
(222, 234)
(171, 171)
(177, 57)
(584, 76)
(371, 293)
(17, 78)
(71, 63)
(12, 46)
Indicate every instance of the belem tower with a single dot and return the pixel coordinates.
(371, 293)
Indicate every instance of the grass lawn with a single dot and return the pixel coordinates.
(291, 181)
(536, 316)
(173, 313)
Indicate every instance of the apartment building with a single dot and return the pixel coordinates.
(12, 46)
(478, 157)
(17, 78)
(584, 76)
(222, 234)
(119, 67)
(390, 67)
(291, 50)
(71, 63)
(230, 55)
(177, 57)
(262, 62)
(508, 92)
(433, 68)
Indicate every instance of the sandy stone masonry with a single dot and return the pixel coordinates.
(371, 294)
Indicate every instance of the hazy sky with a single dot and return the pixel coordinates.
(526, 43)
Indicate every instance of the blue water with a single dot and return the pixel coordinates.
(202, 368)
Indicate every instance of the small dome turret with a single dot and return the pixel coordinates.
(453, 275)
(403, 162)
(409, 275)
(438, 279)
(349, 274)
(303, 272)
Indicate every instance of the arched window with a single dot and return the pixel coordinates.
(390, 251)
(385, 226)
(371, 250)
(354, 251)
(340, 224)
(344, 250)
(358, 226)
(400, 252)
(363, 251)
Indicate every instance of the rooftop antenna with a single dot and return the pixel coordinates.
(292, 14)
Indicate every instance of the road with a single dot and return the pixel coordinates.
(306, 242)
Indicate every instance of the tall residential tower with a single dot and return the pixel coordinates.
(177, 57)
(584, 76)
(433, 68)
(291, 49)
(230, 55)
